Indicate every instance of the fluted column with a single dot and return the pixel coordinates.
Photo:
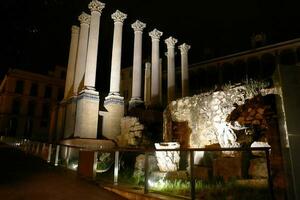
(155, 36)
(92, 51)
(115, 73)
(72, 60)
(138, 27)
(82, 50)
(184, 48)
(170, 42)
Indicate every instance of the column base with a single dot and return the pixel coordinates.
(135, 102)
(86, 123)
(114, 98)
(114, 105)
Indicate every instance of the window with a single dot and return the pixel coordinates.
(31, 108)
(48, 92)
(19, 87)
(44, 123)
(60, 94)
(16, 106)
(33, 89)
(46, 110)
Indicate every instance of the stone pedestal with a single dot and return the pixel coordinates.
(112, 118)
(70, 117)
(87, 114)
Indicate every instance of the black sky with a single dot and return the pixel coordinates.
(36, 33)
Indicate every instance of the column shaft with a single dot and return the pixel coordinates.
(82, 51)
(138, 27)
(170, 42)
(184, 69)
(155, 36)
(92, 52)
(72, 60)
(147, 84)
(137, 66)
(91, 64)
(116, 59)
(171, 74)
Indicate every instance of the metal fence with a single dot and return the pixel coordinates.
(68, 156)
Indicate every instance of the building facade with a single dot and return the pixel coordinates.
(25, 102)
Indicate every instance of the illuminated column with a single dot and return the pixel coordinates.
(137, 64)
(115, 73)
(114, 103)
(160, 82)
(170, 42)
(184, 48)
(82, 50)
(72, 60)
(155, 36)
(92, 51)
(147, 84)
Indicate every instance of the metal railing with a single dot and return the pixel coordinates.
(50, 152)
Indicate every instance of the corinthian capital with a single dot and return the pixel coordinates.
(184, 48)
(155, 34)
(138, 26)
(118, 16)
(95, 5)
(75, 29)
(84, 18)
(170, 42)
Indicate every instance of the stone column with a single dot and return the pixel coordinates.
(114, 103)
(72, 61)
(170, 42)
(155, 36)
(147, 84)
(184, 48)
(115, 73)
(82, 50)
(92, 51)
(160, 82)
(138, 27)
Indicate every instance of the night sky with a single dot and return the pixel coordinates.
(36, 33)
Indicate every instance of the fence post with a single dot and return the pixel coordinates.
(192, 179)
(49, 153)
(68, 156)
(95, 164)
(270, 182)
(37, 148)
(146, 166)
(56, 155)
(116, 169)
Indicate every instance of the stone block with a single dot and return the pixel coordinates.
(87, 115)
(227, 167)
(202, 173)
(167, 160)
(258, 168)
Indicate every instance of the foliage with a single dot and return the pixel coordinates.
(213, 190)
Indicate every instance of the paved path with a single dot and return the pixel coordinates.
(23, 177)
